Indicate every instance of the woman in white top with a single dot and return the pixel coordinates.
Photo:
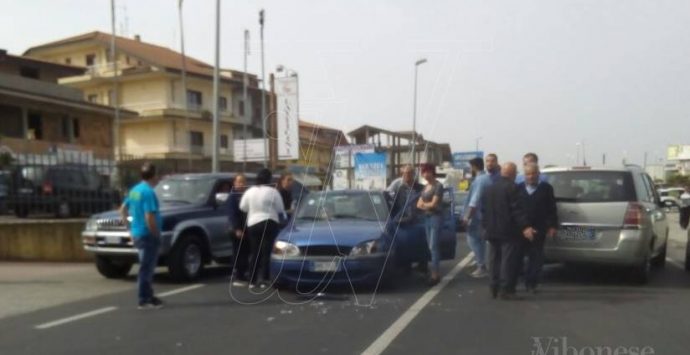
(263, 204)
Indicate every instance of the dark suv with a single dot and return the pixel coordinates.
(66, 190)
(194, 232)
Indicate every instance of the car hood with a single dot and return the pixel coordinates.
(166, 210)
(342, 233)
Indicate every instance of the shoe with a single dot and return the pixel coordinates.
(510, 297)
(263, 285)
(433, 282)
(239, 283)
(154, 303)
(480, 273)
(252, 286)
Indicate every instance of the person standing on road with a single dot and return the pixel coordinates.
(142, 206)
(430, 202)
(492, 167)
(540, 206)
(505, 224)
(285, 189)
(403, 187)
(529, 158)
(238, 225)
(473, 216)
(263, 204)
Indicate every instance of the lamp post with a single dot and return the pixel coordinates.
(263, 89)
(184, 89)
(414, 111)
(244, 102)
(216, 82)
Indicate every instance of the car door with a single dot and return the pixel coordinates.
(448, 230)
(656, 213)
(217, 223)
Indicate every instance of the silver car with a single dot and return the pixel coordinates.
(608, 216)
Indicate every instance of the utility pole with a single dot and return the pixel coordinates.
(244, 102)
(584, 157)
(414, 112)
(115, 98)
(216, 82)
(184, 90)
(263, 89)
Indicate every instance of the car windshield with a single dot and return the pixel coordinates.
(331, 205)
(592, 186)
(184, 190)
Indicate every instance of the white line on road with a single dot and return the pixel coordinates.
(383, 341)
(75, 318)
(181, 290)
(676, 263)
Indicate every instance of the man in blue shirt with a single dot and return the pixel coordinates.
(473, 217)
(527, 159)
(141, 205)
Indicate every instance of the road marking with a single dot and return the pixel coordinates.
(676, 263)
(181, 290)
(75, 318)
(383, 341)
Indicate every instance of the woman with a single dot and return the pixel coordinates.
(285, 190)
(430, 202)
(263, 205)
(238, 222)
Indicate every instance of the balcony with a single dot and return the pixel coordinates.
(37, 87)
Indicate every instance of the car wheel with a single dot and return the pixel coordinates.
(186, 261)
(659, 261)
(111, 269)
(642, 271)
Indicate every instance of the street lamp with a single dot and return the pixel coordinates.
(414, 113)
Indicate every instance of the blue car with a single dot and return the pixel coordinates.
(353, 237)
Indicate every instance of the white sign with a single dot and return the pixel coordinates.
(254, 150)
(288, 118)
(340, 180)
(361, 148)
(341, 157)
(678, 152)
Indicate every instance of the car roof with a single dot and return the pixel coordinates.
(194, 176)
(629, 168)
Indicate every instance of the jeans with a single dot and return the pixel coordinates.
(477, 243)
(148, 260)
(504, 264)
(240, 255)
(433, 230)
(261, 238)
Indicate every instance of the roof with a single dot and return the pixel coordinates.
(151, 53)
(375, 130)
(59, 66)
(589, 168)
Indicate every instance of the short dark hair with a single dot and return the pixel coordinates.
(428, 167)
(492, 155)
(531, 156)
(264, 176)
(477, 163)
(148, 171)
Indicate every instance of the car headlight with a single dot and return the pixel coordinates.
(366, 248)
(285, 249)
(91, 225)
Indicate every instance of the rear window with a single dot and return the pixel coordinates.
(592, 186)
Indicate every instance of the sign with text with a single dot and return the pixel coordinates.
(461, 160)
(288, 118)
(248, 149)
(370, 171)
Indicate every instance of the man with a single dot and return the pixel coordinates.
(238, 223)
(505, 224)
(492, 167)
(473, 217)
(142, 206)
(403, 187)
(685, 208)
(540, 206)
(529, 158)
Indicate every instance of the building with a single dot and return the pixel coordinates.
(398, 146)
(679, 156)
(39, 118)
(173, 125)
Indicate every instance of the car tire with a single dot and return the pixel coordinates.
(642, 271)
(659, 261)
(110, 269)
(186, 259)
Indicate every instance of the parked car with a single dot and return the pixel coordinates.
(194, 231)
(608, 216)
(670, 197)
(459, 198)
(65, 190)
(343, 237)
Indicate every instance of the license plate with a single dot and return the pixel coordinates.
(575, 234)
(113, 240)
(325, 266)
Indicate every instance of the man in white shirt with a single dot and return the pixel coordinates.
(263, 204)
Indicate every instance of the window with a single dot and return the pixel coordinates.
(68, 60)
(224, 141)
(592, 186)
(12, 122)
(65, 128)
(93, 98)
(194, 99)
(90, 60)
(222, 103)
(241, 108)
(75, 128)
(27, 72)
(35, 126)
(196, 139)
(127, 60)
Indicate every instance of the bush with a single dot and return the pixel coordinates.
(678, 180)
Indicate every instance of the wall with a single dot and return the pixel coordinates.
(38, 240)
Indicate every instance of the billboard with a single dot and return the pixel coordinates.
(288, 118)
(370, 171)
(678, 152)
(253, 150)
(340, 179)
(461, 160)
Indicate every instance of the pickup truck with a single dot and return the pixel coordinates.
(194, 232)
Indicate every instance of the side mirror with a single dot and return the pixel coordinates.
(221, 198)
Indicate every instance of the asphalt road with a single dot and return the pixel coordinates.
(577, 309)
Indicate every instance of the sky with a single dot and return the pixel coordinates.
(513, 75)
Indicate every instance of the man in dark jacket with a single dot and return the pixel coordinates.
(540, 205)
(505, 226)
(238, 223)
